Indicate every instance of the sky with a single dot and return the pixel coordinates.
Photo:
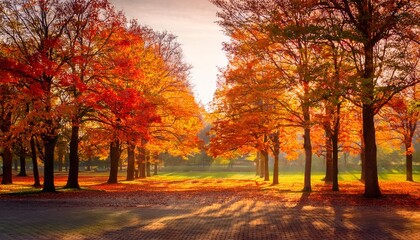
(193, 21)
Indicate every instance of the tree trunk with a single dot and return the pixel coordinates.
(257, 165)
(368, 91)
(60, 159)
(148, 169)
(335, 160)
(130, 161)
(114, 159)
(148, 164)
(308, 159)
(15, 165)
(73, 177)
(7, 166)
(262, 167)
(334, 140)
(408, 163)
(266, 166)
(371, 171)
(37, 183)
(22, 172)
(307, 146)
(49, 146)
(362, 158)
(328, 155)
(141, 162)
(7, 151)
(155, 170)
(276, 159)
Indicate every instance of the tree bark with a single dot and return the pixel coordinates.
(22, 161)
(73, 177)
(7, 166)
(362, 158)
(141, 162)
(148, 168)
(130, 161)
(328, 154)
(276, 152)
(371, 171)
(335, 160)
(49, 147)
(266, 166)
(114, 159)
(408, 163)
(308, 147)
(7, 151)
(368, 90)
(37, 183)
(155, 170)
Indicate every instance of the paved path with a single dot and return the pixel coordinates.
(234, 219)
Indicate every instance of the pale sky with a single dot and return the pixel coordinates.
(193, 21)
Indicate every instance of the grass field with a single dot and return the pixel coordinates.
(390, 183)
(287, 177)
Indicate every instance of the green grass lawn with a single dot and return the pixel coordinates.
(287, 177)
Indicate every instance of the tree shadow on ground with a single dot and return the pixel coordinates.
(252, 219)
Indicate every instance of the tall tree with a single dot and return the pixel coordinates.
(402, 117)
(381, 31)
(91, 37)
(35, 29)
(282, 34)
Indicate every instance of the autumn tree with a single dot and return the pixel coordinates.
(91, 36)
(283, 34)
(401, 119)
(6, 109)
(381, 33)
(165, 84)
(35, 29)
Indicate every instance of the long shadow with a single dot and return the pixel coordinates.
(232, 218)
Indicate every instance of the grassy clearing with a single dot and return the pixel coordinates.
(390, 182)
(286, 177)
